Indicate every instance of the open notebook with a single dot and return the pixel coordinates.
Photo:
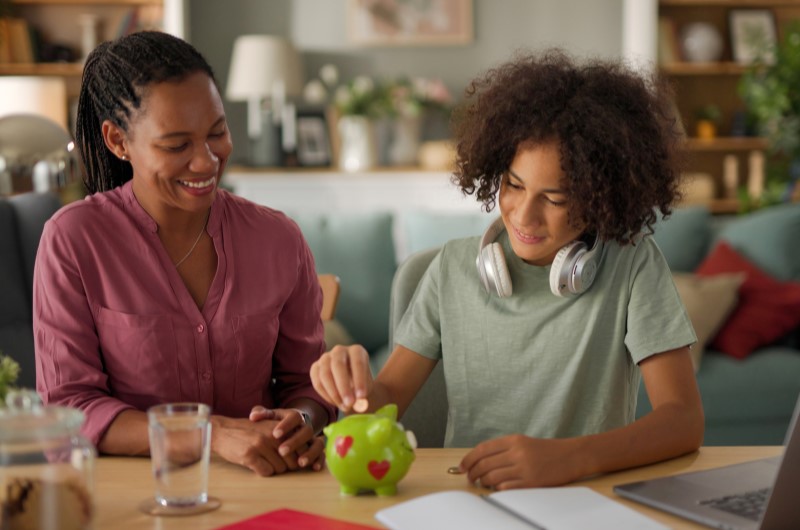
(573, 508)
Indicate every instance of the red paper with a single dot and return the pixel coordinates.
(293, 520)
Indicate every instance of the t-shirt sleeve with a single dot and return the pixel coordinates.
(657, 320)
(420, 328)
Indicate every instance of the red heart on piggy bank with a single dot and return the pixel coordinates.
(378, 469)
(343, 444)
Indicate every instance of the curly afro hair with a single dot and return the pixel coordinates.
(617, 131)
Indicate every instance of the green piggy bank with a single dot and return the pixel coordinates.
(369, 452)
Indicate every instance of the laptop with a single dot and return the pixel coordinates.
(757, 495)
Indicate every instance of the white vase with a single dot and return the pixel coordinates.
(405, 142)
(357, 149)
(701, 43)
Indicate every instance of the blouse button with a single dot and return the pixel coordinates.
(206, 376)
(200, 328)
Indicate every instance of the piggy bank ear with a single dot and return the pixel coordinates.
(327, 430)
(388, 411)
(379, 431)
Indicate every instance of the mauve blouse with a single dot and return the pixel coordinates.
(115, 328)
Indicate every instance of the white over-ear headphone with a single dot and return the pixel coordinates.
(572, 272)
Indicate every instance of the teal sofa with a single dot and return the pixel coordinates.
(747, 402)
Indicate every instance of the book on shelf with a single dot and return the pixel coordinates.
(128, 23)
(19, 40)
(570, 508)
(5, 41)
(669, 50)
(140, 18)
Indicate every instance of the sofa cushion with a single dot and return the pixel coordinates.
(746, 402)
(336, 334)
(767, 308)
(359, 249)
(769, 239)
(753, 389)
(15, 306)
(684, 237)
(708, 301)
(32, 210)
(422, 230)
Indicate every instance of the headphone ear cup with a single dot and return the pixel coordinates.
(502, 279)
(585, 271)
(561, 271)
(491, 262)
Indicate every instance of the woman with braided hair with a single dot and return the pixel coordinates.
(161, 287)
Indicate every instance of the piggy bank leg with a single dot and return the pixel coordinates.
(348, 490)
(386, 491)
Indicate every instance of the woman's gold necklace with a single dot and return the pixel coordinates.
(196, 241)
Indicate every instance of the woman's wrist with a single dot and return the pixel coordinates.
(217, 426)
(313, 414)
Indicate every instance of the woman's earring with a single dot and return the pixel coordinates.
(124, 158)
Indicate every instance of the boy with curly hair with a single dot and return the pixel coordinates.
(545, 342)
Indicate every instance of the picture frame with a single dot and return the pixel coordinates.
(399, 23)
(753, 35)
(313, 140)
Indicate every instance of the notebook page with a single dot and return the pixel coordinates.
(573, 508)
(448, 509)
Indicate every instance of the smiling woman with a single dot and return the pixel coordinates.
(152, 290)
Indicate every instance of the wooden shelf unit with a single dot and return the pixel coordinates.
(700, 84)
(88, 2)
(57, 23)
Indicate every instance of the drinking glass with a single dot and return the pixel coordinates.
(180, 447)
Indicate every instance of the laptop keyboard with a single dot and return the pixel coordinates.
(750, 505)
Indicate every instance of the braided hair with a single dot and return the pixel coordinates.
(115, 77)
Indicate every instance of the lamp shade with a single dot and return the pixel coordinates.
(39, 95)
(259, 64)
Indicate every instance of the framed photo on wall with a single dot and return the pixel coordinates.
(404, 23)
(753, 35)
(313, 142)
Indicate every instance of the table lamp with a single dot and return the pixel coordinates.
(265, 71)
(41, 95)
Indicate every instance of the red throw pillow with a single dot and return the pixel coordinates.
(767, 308)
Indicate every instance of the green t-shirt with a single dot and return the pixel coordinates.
(535, 363)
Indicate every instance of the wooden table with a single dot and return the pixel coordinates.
(122, 483)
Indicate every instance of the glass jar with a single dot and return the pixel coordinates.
(46, 467)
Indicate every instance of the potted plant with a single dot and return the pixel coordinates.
(708, 117)
(771, 89)
(9, 371)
